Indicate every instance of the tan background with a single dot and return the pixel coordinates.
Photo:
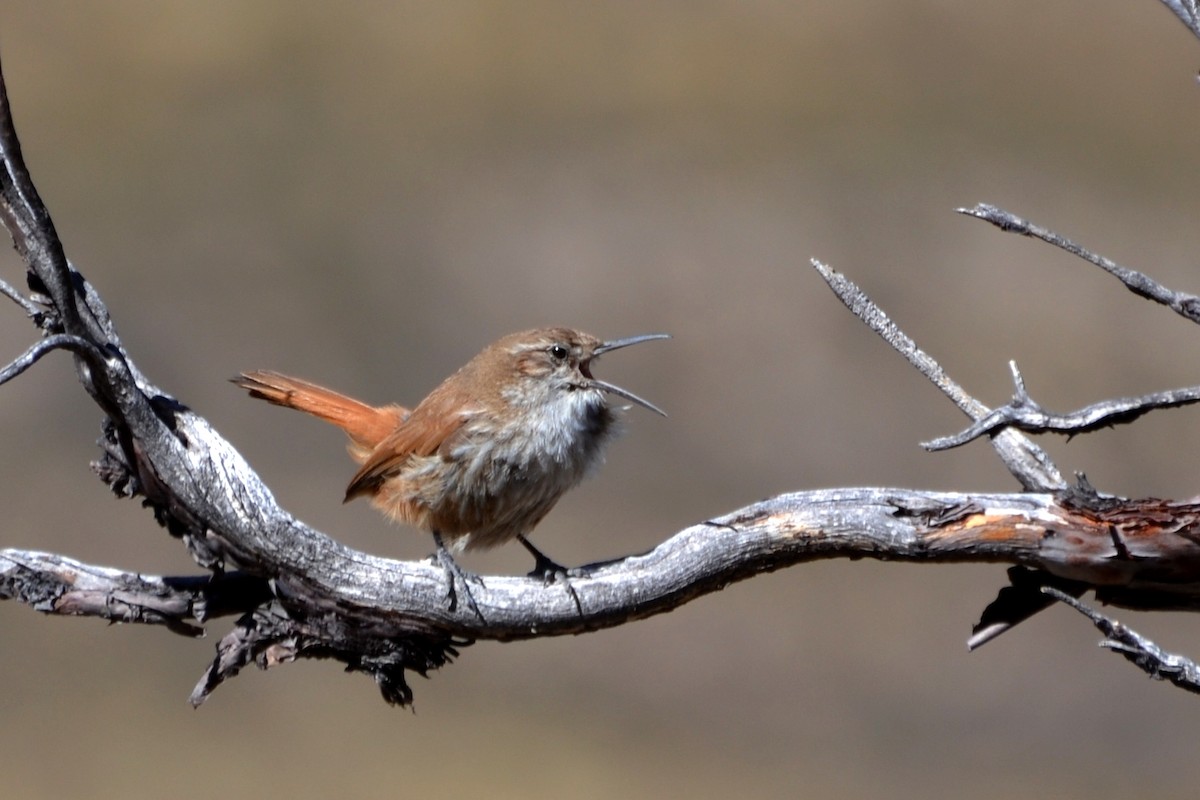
(365, 194)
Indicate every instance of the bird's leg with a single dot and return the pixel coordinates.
(550, 571)
(544, 567)
(456, 573)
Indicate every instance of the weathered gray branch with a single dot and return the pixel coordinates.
(55, 584)
(1188, 12)
(1182, 303)
(1140, 554)
(1027, 462)
(1137, 649)
(1026, 414)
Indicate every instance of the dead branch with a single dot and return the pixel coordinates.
(1182, 303)
(298, 593)
(1027, 462)
(1188, 12)
(1137, 649)
(1026, 414)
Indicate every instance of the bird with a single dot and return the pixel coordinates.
(489, 452)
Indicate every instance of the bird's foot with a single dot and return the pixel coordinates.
(456, 575)
(551, 572)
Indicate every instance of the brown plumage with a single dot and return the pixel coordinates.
(488, 453)
(366, 425)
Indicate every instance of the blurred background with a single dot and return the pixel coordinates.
(366, 194)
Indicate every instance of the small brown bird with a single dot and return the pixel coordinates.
(488, 453)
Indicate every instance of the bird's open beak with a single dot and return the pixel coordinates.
(617, 344)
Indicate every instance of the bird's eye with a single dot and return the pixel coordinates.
(559, 352)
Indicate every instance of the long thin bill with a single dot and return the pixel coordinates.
(617, 344)
(630, 396)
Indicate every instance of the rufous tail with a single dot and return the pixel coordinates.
(366, 425)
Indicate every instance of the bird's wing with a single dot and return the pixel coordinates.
(433, 427)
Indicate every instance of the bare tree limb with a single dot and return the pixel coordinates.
(1026, 414)
(1188, 13)
(1137, 649)
(1027, 462)
(58, 341)
(1141, 554)
(54, 584)
(1184, 304)
(31, 309)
